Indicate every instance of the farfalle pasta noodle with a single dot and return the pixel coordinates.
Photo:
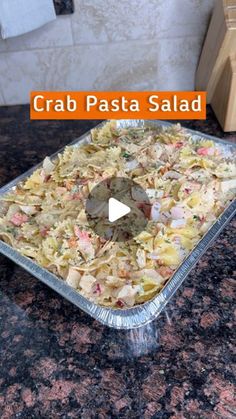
(189, 184)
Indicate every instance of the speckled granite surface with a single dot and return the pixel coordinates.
(56, 362)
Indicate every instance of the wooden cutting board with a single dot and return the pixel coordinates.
(224, 98)
(220, 43)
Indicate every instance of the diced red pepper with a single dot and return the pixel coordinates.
(98, 289)
(120, 303)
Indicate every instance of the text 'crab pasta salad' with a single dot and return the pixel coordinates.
(188, 183)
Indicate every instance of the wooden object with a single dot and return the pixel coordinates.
(220, 43)
(224, 98)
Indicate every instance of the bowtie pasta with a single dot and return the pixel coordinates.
(189, 184)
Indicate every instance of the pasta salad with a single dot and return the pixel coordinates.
(189, 184)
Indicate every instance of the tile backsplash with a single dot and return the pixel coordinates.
(108, 45)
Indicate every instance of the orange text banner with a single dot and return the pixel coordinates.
(118, 105)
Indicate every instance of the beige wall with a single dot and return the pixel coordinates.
(108, 45)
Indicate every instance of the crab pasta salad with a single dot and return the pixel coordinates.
(189, 184)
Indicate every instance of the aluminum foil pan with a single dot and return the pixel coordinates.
(140, 315)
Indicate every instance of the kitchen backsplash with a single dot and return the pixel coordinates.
(108, 45)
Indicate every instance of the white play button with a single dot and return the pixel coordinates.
(116, 210)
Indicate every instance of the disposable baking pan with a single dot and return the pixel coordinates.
(139, 315)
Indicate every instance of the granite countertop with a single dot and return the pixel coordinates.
(57, 362)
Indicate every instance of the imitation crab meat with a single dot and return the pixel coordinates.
(18, 219)
(155, 211)
(84, 243)
(206, 151)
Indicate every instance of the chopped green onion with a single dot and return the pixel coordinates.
(126, 155)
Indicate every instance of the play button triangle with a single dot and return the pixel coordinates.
(116, 210)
